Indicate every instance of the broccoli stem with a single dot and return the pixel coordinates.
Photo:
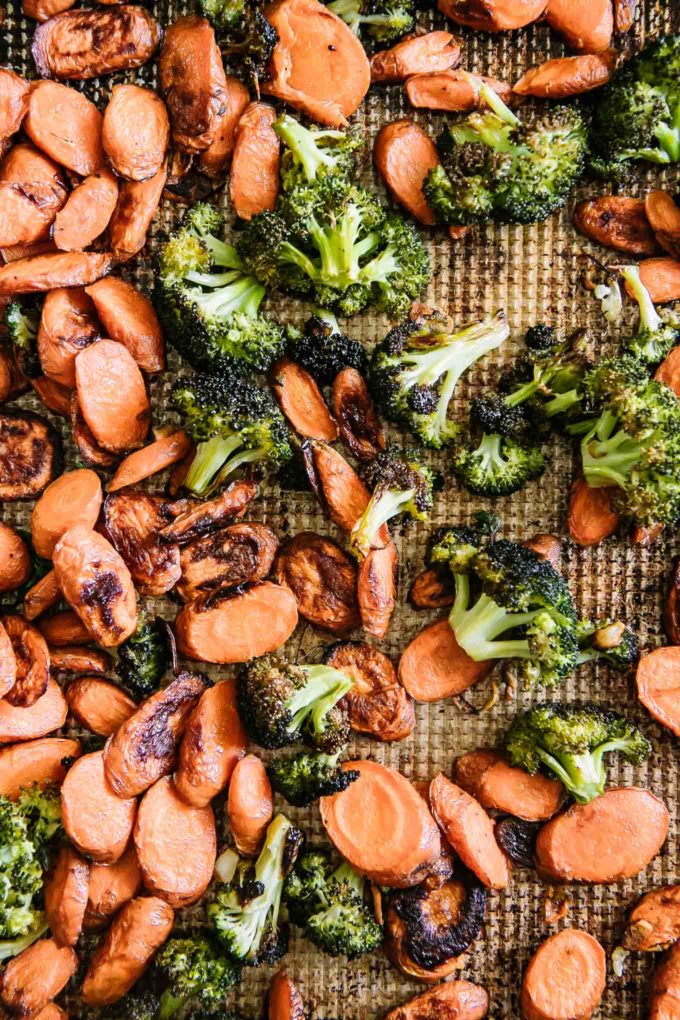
(325, 686)
(609, 457)
(583, 774)
(494, 101)
(348, 10)
(242, 294)
(381, 508)
(649, 317)
(489, 452)
(304, 146)
(476, 628)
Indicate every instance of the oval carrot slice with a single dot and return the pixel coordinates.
(658, 686)
(152, 459)
(66, 125)
(382, 826)
(136, 932)
(566, 76)
(44, 716)
(664, 218)
(254, 175)
(35, 976)
(176, 845)
(214, 741)
(235, 626)
(565, 977)
(456, 91)
(377, 704)
(434, 666)
(613, 837)
(323, 578)
(54, 396)
(404, 155)
(469, 830)
(8, 663)
(128, 316)
(500, 787)
(112, 396)
(76, 659)
(214, 160)
(616, 221)
(36, 761)
(111, 887)
(73, 498)
(355, 413)
(87, 211)
(97, 822)
(44, 594)
(192, 82)
(344, 495)
(250, 805)
(63, 629)
(458, 999)
(665, 990)
(137, 205)
(284, 1001)
(68, 323)
(66, 896)
(32, 191)
(587, 27)
(32, 662)
(377, 589)
(318, 65)
(98, 705)
(14, 91)
(232, 557)
(301, 401)
(591, 517)
(416, 54)
(59, 269)
(144, 748)
(15, 559)
(661, 277)
(135, 132)
(42, 10)
(654, 922)
(492, 15)
(668, 371)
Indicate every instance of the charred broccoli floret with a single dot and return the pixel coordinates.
(22, 319)
(570, 742)
(142, 1003)
(246, 912)
(497, 465)
(324, 350)
(234, 423)
(280, 703)
(194, 970)
(385, 21)
(608, 641)
(327, 901)
(306, 777)
(655, 336)
(245, 33)
(142, 660)
(208, 303)
(402, 487)
(415, 370)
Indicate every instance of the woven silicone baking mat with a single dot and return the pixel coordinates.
(534, 274)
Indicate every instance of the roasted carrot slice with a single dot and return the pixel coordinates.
(14, 92)
(585, 27)
(15, 559)
(128, 316)
(214, 160)
(66, 889)
(250, 805)
(382, 826)
(456, 998)
(211, 515)
(12, 381)
(665, 988)
(132, 521)
(32, 662)
(36, 761)
(156, 457)
(416, 54)
(60, 269)
(301, 400)
(565, 977)
(29, 455)
(44, 716)
(654, 922)
(112, 396)
(547, 546)
(97, 822)
(500, 787)
(323, 578)
(617, 222)
(377, 589)
(42, 10)
(73, 498)
(455, 90)
(32, 191)
(284, 1001)
(64, 628)
(87, 212)
(658, 686)
(668, 371)
(404, 155)
(566, 76)
(318, 65)
(377, 704)
(76, 659)
(469, 830)
(591, 517)
(613, 837)
(232, 557)
(664, 218)
(214, 741)
(68, 324)
(661, 277)
(356, 416)
(54, 396)
(176, 845)
(44, 594)
(51, 1012)
(111, 887)
(135, 132)
(98, 705)
(434, 666)
(66, 125)
(192, 82)
(343, 494)
(8, 663)
(137, 205)
(35, 976)
(492, 15)
(254, 175)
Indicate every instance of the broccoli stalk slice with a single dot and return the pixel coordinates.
(584, 774)
(495, 103)
(218, 458)
(243, 294)
(311, 704)
(609, 455)
(170, 1004)
(382, 507)
(477, 628)
(307, 146)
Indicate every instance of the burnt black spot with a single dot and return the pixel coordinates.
(102, 594)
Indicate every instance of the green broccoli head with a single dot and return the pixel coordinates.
(280, 703)
(384, 21)
(310, 154)
(40, 806)
(324, 350)
(497, 465)
(570, 741)
(142, 660)
(609, 641)
(454, 548)
(306, 777)
(655, 336)
(402, 487)
(22, 320)
(194, 970)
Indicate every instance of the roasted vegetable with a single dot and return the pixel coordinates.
(402, 487)
(306, 777)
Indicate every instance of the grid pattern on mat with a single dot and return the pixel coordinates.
(534, 274)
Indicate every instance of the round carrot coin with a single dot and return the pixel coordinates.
(565, 978)
(96, 821)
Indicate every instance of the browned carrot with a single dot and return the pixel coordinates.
(132, 522)
(35, 976)
(455, 90)
(232, 557)
(661, 277)
(665, 989)
(377, 704)
(66, 125)
(111, 887)
(433, 589)
(14, 91)
(176, 845)
(566, 76)
(658, 685)
(416, 54)
(128, 316)
(215, 159)
(76, 659)
(32, 191)
(51, 1012)
(32, 661)
(45, 716)
(66, 889)
(156, 457)
(377, 589)
(393, 842)
(654, 922)
(434, 666)
(250, 805)
(55, 397)
(301, 401)
(15, 559)
(500, 787)
(646, 534)
(73, 498)
(98, 705)
(493, 15)
(63, 46)
(565, 977)
(664, 218)
(404, 154)
(587, 27)
(356, 416)
(547, 546)
(668, 371)
(323, 578)
(87, 211)
(202, 518)
(624, 14)
(343, 494)
(112, 396)
(96, 821)
(192, 82)
(591, 517)
(135, 132)
(254, 175)
(214, 741)
(44, 594)
(64, 628)
(618, 222)
(36, 761)
(460, 999)
(284, 1001)
(137, 205)
(46, 272)
(68, 323)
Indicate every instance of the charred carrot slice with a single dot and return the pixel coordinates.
(377, 704)
(284, 1001)
(36, 761)
(565, 977)
(457, 998)
(98, 705)
(35, 976)
(434, 666)
(456, 90)
(8, 663)
(216, 158)
(323, 578)
(469, 830)
(44, 594)
(32, 662)
(97, 822)
(591, 517)
(404, 155)
(547, 546)
(15, 559)
(73, 498)
(250, 805)
(377, 589)
(416, 54)
(46, 272)
(32, 191)
(66, 889)
(87, 211)
(136, 208)
(44, 716)
(618, 222)
(654, 921)
(68, 323)
(356, 416)
(150, 460)
(128, 316)
(301, 401)
(213, 743)
(658, 686)
(14, 92)
(192, 82)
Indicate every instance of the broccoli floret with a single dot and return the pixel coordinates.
(234, 423)
(637, 115)
(40, 806)
(324, 350)
(141, 1003)
(311, 154)
(306, 777)
(402, 487)
(245, 913)
(207, 302)
(385, 21)
(245, 34)
(142, 660)
(524, 610)
(609, 641)
(655, 336)
(415, 370)
(279, 703)
(570, 741)
(497, 466)
(194, 970)
(328, 902)
(496, 168)
(225, 15)
(22, 319)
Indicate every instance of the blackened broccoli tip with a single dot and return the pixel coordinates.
(324, 350)
(655, 336)
(309, 154)
(570, 741)
(496, 465)
(609, 641)
(415, 370)
(245, 34)
(246, 912)
(194, 971)
(142, 660)
(306, 777)
(385, 21)
(454, 547)
(402, 487)
(281, 703)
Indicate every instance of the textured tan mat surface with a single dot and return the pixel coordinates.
(533, 273)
